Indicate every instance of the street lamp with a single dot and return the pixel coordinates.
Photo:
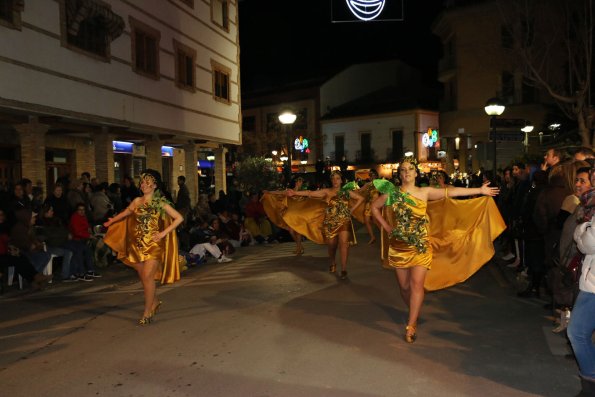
(527, 129)
(287, 118)
(494, 107)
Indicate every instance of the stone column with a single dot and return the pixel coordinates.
(104, 155)
(463, 155)
(190, 171)
(32, 140)
(450, 155)
(220, 171)
(153, 154)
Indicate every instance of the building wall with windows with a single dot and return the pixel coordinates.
(478, 64)
(151, 72)
(390, 136)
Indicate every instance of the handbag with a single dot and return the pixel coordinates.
(572, 270)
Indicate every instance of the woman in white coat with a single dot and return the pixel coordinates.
(582, 323)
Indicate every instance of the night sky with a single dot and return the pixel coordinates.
(287, 41)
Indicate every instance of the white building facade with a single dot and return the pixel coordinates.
(81, 74)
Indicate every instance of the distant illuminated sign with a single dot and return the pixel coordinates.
(167, 151)
(122, 147)
(429, 139)
(302, 144)
(366, 10)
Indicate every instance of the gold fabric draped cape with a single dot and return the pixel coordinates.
(461, 235)
(131, 239)
(302, 214)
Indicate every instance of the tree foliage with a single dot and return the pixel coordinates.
(255, 174)
(553, 43)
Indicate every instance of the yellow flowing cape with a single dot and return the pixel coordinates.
(461, 234)
(168, 270)
(302, 214)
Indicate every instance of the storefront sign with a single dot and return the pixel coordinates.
(122, 147)
(167, 151)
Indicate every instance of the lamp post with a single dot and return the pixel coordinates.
(494, 107)
(287, 118)
(527, 129)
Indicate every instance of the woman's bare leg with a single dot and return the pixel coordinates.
(298, 241)
(344, 248)
(403, 277)
(146, 273)
(331, 244)
(418, 276)
(370, 229)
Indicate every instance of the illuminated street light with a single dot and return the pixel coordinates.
(408, 154)
(494, 107)
(554, 126)
(527, 128)
(274, 152)
(287, 118)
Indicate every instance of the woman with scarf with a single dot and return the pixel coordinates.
(411, 251)
(335, 221)
(144, 236)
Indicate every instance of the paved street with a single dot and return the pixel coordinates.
(272, 324)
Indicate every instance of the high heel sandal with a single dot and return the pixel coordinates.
(343, 275)
(145, 320)
(332, 268)
(300, 251)
(156, 308)
(411, 333)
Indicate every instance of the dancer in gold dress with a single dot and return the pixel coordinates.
(337, 228)
(456, 245)
(147, 240)
(275, 207)
(370, 194)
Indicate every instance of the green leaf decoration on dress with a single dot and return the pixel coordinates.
(385, 187)
(346, 188)
(406, 227)
(158, 203)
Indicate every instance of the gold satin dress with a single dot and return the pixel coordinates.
(459, 236)
(132, 239)
(404, 254)
(337, 218)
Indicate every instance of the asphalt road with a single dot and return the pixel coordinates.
(272, 324)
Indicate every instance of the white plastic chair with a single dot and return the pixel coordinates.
(11, 277)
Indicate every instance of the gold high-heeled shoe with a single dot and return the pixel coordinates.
(332, 268)
(411, 333)
(145, 320)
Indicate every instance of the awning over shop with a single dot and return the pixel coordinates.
(79, 10)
